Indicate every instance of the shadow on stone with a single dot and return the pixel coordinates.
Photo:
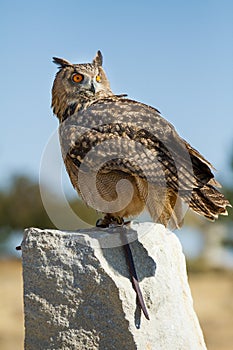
(141, 260)
(140, 256)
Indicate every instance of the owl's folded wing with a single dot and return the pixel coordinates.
(133, 138)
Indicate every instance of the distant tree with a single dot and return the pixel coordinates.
(21, 206)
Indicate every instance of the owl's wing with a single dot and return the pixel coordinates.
(116, 134)
(128, 136)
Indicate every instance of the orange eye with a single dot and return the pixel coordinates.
(77, 78)
(98, 78)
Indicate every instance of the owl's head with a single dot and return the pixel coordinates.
(78, 83)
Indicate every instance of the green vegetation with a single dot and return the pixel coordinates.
(21, 206)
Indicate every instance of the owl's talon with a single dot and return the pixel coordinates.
(101, 223)
(110, 221)
(117, 221)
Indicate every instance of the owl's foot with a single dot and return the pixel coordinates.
(109, 220)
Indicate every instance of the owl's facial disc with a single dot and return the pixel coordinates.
(87, 83)
(94, 85)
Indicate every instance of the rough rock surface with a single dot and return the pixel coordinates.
(77, 292)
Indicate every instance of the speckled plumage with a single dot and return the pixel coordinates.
(122, 156)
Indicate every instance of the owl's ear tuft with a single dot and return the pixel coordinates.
(98, 60)
(61, 62)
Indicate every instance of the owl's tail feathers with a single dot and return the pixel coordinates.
(169, 208)
(166, 207)
(208, 202)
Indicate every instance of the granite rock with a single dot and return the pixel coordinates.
(78, 294)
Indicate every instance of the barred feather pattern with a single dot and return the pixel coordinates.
(122, 156)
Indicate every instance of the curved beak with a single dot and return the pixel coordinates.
(92, 89)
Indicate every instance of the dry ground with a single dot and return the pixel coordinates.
(11, 305)
(213, 301)
(212, 294)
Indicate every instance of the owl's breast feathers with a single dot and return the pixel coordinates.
(117, 134)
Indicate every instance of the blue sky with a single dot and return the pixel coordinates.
(174, 55)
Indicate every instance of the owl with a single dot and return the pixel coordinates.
(123, 157)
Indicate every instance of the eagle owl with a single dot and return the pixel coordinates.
(123, 157)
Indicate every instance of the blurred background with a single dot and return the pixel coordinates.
(174, 55)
